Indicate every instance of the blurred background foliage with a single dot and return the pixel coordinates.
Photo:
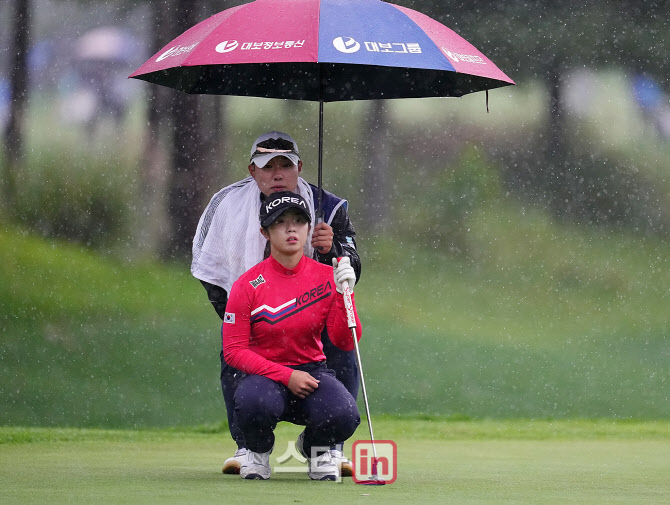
(515, 262)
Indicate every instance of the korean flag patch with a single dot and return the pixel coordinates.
(229, 318)
(257, 281)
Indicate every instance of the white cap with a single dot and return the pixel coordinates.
(273, 144)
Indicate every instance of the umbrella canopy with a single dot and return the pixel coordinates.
(325, 50)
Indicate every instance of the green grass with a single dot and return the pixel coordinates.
(532, 369)
(544, 321)
(439, 461)
(91, 341)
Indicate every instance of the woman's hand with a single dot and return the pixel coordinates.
(343, 272)
(302, 384)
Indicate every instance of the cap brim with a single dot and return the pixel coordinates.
(271, 218)
(260, 160)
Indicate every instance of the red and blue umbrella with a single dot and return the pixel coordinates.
(322, 50)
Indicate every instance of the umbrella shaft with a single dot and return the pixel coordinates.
(319, 214)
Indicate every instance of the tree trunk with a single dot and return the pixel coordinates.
(188, 181)
(19, 98)
(556, 177)
(153, 219)
(189, 177)
(376, 173)
(211, 117)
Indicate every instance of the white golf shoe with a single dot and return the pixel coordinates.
(256, 465)
(345, 466)
(322, 467)
(232, 465)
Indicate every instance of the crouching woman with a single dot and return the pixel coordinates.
(272, 334)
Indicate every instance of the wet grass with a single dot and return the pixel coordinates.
(482, 462)
(544, 323)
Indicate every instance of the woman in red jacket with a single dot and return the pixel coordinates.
(272, 333)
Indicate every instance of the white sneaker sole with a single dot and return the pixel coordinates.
(255, 476)
(325, 478)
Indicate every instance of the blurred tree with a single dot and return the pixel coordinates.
(544, 40)
(376, 159)
(196, 123)
(186, 173)
(13, 134)
(156, 157)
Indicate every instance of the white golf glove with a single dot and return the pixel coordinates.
(343, 272)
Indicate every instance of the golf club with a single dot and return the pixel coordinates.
(374, 479)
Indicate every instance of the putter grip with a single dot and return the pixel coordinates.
(349, 305)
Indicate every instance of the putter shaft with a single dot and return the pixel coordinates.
(365, 393)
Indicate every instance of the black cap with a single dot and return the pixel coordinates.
(275, 204)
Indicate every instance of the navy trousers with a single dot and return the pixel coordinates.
(343, 363)
(329, 413)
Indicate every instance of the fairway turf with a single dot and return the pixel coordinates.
(548, 323)
(477, 462)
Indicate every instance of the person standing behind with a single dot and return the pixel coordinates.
(272, 333)
(228, 242)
